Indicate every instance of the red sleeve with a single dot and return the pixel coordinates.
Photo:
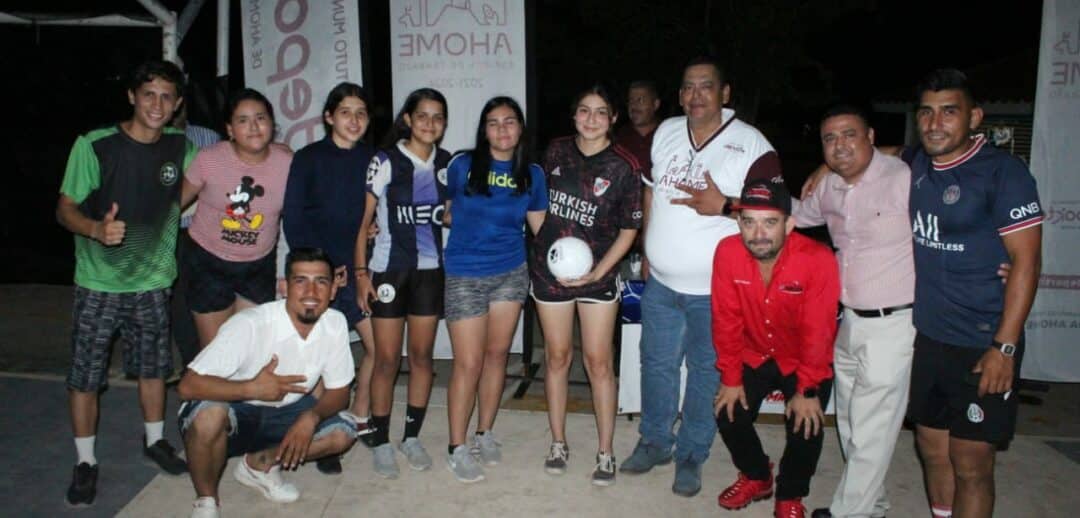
(766, 168)
(727, 318)
(818, 325)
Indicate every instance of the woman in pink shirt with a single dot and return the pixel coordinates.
(240, 184)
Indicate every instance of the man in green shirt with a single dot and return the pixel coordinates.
(120, 198)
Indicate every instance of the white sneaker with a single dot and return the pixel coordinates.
(205, 507)
(272, 486)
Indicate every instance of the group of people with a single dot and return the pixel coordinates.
(927, 329)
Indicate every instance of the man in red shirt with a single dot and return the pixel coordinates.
(774, 303)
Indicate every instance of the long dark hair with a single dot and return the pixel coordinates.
(600, 90)
(480, 167)
(247, 94)
(400, 130)
(338, 94)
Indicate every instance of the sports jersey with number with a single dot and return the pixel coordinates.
(589, 197)
(959, 212)
(107, 166)
(410, 193)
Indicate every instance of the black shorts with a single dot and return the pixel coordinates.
(213, 283)
(944, 393)
(600, 293)
(409, 292)
(345, 302)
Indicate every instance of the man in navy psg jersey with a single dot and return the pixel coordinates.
(972, 207)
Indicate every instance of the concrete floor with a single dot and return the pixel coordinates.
(1033, 478)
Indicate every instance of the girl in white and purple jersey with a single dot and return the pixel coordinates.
(403, 280)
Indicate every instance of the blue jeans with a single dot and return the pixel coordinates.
(675, 326)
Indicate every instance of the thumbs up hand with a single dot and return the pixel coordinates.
(110, 231)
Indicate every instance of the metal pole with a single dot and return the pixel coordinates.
(167, 19)
(187, 17)
(222, 38)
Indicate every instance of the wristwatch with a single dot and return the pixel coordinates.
(1009, 350)
(809, 392)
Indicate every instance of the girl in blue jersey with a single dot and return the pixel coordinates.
(493, 191)
(402, 280)
(324, 203)
(595, 195)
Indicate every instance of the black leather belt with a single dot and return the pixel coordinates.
(883, 312)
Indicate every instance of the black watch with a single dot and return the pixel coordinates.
(1009, 350)
(809, 392)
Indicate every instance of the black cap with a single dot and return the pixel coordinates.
(764, 195)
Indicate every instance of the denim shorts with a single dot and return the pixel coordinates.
(254, 428)
(469, 297)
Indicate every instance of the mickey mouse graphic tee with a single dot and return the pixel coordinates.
(239, 203)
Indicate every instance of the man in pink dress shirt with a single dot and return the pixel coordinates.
(864, 202)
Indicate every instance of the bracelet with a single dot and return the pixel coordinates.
(364, 268)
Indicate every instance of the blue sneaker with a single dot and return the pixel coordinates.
(687, 478)
(644, 458)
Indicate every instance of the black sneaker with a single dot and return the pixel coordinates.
(329, 465)
(164, 455)
(83, 486)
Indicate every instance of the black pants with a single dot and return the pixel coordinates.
(183, 325)
(800, 455)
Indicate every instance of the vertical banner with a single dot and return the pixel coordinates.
(1053, 328)
(471, 51)
(295, 51)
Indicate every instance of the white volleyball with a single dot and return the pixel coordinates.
(569, 258)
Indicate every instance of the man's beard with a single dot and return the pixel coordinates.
(308, 316)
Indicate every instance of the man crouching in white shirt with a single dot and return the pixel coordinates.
(249, 391)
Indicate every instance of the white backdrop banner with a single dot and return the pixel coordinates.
(1053, 328)
(470, 51)
(295, 51)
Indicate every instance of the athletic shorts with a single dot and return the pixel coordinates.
(253, 428)
(598, 293)
(213, 283)
(469, 297)
(944, 393)
(142, 320)
(409, 292)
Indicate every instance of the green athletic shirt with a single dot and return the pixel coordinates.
(107, 166)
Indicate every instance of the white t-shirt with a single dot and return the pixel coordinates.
(679, 242)
(247, 341)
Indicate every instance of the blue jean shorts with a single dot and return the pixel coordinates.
(254, 428)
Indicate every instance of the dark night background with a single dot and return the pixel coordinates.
(787, 59)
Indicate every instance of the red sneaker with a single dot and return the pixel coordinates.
(789, 509)
(746, 491)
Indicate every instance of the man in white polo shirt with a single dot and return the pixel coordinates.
(249, 391)
(696, 159)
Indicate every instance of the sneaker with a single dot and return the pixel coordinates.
(604, 473)
(164, 455)
(415, 454)
(558, 454)
(464, 466)
(823, 512)
(790, 509)
(329, 465)
(687, 478)
(83, 486)
(205, 507)
(645, 457)
(487, 448)
(270, 483)
(384, 461)
(746, 491)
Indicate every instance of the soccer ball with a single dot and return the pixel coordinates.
(569, 258)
